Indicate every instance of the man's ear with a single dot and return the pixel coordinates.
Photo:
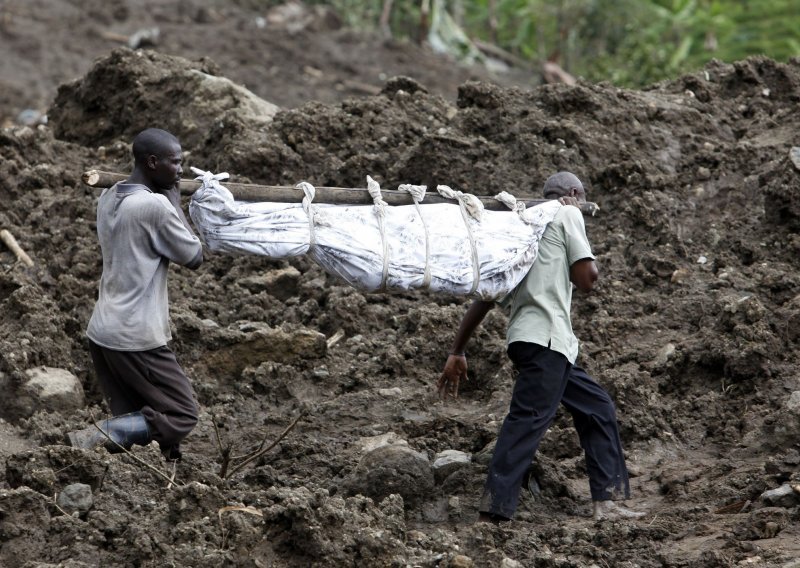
(152, 161)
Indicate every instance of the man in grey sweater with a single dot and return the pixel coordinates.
(141, 228)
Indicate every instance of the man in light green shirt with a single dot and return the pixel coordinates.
(540, 304)
(543, 348)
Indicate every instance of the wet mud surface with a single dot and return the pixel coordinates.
(693, 328)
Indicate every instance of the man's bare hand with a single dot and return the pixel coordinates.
(454, 370)
(567, 200)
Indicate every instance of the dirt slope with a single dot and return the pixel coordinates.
(287, 55)
(694, 329)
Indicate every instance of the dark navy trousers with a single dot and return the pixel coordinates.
(546, 378)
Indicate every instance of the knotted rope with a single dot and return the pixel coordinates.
(470, 206)
(379, 206)
(313, 214)
(514, 204)
(417, 193)
(207, 178)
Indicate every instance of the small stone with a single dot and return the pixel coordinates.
(679, 276)
(664, 355)
(76, 497)
(391, 393)
(461, 561)
(794, 155)
(31, 117)
(454, 504)
(281, 284)
(375, 442)
(783, 496)
(321, 373)
(762, 523)
(448, 461)
(793, 404)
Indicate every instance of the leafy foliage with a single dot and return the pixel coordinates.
(636, 42)
(627, 42)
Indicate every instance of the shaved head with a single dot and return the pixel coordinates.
(153, 142)
(157, 159)
(563, 184)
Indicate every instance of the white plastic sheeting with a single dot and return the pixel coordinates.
(457, 250)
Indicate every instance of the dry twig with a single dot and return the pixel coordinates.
(174, 473)
(14, 247)
(335, 338)
(225, 453)
(261, 451)
(63, 512)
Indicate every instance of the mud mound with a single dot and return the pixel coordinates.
(693, 329)
(130, 90)
(286, 54)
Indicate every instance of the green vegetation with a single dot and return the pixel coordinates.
(628, 42)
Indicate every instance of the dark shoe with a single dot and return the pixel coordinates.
(492, 518)
(126, 430)
(172, 453)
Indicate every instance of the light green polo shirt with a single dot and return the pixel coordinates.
(540, 304)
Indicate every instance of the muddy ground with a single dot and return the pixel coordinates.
(694, 326)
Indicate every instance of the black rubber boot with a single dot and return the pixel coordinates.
(126, 430)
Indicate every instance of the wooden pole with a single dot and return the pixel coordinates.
(12, 245)
(334, 195)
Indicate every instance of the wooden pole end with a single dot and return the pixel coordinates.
(91, 177)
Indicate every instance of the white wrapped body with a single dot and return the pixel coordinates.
(348, 241)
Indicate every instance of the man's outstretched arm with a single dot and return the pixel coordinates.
(456, 367)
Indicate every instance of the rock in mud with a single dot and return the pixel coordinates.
(281, 284)
(253, 344)
(449, 461)
(90, 112)
(783, 496)
(392, 469)
(794, 155)
(372, 443)
(76, 498)
(50, 388)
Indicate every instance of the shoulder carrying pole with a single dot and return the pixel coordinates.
(333, 195)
